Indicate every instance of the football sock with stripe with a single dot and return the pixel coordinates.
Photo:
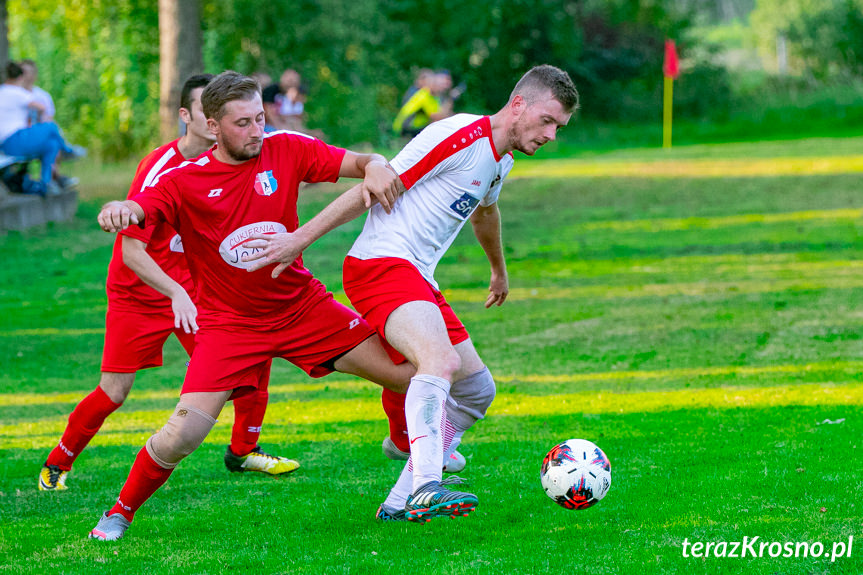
(425, 413)
(84, 422)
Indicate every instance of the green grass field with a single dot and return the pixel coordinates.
(697, 313)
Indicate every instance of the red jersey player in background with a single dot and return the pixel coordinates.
(450, 173)
(150, 296)
(246, 185)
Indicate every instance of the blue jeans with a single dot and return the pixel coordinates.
(42, 141)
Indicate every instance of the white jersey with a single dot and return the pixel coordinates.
(449, 169)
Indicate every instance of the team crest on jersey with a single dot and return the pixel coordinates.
(266, 184)
(464, 205)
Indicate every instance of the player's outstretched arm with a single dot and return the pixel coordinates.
(486, 226)
(380, 180)
(284, 248)
(135, 256)
(117, 216)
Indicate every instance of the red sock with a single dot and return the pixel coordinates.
(144, 479)
(84, 422)
(394, 407)
(249, 413)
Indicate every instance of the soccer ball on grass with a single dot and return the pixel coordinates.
(576, 474)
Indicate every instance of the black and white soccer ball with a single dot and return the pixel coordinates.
(576, 474)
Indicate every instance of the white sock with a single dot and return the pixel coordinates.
(399, 493)
(425, 413)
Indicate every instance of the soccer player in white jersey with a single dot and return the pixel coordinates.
(450, 173)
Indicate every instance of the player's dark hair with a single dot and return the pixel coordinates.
(13, 70)
(196, 81)
(545, 77)
(227, 87)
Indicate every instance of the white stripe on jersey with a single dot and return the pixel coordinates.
(276, 132)
(157, 167)
(202, 161)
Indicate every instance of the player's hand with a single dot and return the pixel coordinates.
(281, 248)
(116, 216)
(185, 312)
(498, 290)
(382, 183)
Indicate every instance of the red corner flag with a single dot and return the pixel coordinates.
(671, 66)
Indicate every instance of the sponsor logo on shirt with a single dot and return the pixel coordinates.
(176, 244)
(215, 193)
(232, 249)
(464, 205)
(476, 183)
(266, 184)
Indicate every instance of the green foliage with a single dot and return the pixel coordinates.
(100, 63)
(824, 37)
(100, 60)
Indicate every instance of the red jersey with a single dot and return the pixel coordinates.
(125, 289)
(216, 207)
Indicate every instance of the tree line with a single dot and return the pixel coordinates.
(101, 60)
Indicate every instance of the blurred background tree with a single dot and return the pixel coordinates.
(100, 60)
(4, 35)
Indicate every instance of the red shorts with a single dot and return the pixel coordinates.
(378, 286)
(315, 332)
(134, 339)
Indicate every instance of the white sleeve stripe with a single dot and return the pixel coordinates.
(202, 161)
(157, 167)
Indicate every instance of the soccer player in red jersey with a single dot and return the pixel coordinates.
(149, 297)
(449, 174)
(245, 187)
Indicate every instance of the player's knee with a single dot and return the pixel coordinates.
(117, 385)
(185, 431)
(450, 363)
(473, 396)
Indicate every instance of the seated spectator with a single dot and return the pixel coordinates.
(428, 104)
(31, 73)
(284, 103)
(18, 138)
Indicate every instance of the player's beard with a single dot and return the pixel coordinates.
(243, 153)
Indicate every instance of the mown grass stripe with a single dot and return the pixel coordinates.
(129, 426)
(677, 224)
(700, 168)
(702, 288)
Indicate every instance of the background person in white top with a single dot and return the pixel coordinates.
(18, 138)
(451, 172)
(31, 73)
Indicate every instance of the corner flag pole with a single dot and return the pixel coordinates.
(670, 70)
